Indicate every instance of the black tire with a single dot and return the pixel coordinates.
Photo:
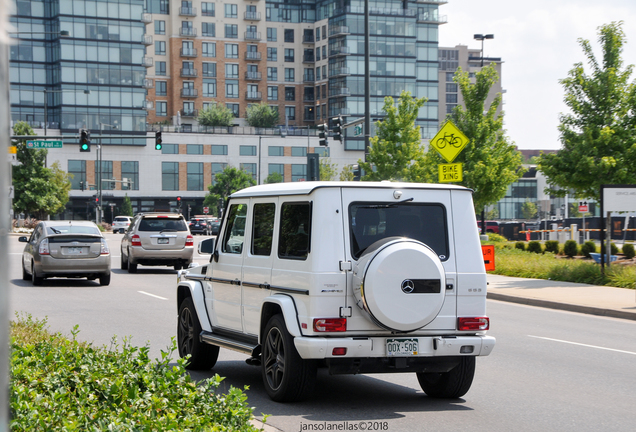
(104, 279)
(132, 267)
(178, 266)
(124, 262)
(449, 385)
(25, 275)
(202, 356)
(35, 279)
(287, 377)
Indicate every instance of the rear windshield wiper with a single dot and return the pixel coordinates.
(56, 231)
(378, 206)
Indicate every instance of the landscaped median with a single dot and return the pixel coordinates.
(59, 383)
(511, 261)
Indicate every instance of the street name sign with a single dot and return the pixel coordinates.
(450, 173)
(44, 144)
(449, 141)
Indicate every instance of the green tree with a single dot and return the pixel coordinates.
(529, 210)
(126, 207)
(598, 133)
(328, 170)
(216, 115)
(227, 182)
(261, 116)
(347, 173)
(490, 161)
(274, 178)
(39, 191)
(397, 142)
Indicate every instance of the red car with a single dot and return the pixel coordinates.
(491, 226)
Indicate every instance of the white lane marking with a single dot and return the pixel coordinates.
(152, 295)
(584, 345)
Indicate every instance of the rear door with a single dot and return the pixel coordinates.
(162, 233)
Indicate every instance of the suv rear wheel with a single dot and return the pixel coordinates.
(452, 384)
(132, 267)
(286, 375)
(202, 356)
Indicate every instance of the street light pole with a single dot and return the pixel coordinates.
(481, 37)
(100, 159)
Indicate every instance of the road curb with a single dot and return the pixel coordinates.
(612, 313)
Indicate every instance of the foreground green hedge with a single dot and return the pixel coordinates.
(62, 384)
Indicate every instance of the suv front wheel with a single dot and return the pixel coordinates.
(286, 375)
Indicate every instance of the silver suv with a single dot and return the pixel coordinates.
(157, 239)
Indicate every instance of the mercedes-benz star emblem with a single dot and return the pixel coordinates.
(408, 286)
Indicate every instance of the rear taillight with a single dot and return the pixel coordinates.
(44, 247)
(189, 240)
(330, 324)
(473, 323)
(104, 250)
(135, 240)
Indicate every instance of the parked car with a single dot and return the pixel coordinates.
(66, 248)
(200, 226)
(215, 226)
(359, 277)
(491, 226)
(121, 224)
(157, 239)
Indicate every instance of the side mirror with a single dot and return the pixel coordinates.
(23, 239)
(206, 247)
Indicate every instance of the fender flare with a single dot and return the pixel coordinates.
(284, 304)
(194, 289)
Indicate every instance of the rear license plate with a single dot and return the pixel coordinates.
(163, 240)
(74, 250)
(402, 347)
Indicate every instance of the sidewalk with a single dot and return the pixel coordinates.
(590, 299)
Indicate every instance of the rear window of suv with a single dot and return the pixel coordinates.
(373, 221)
(162, 224)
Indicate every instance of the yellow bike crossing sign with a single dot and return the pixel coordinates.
(449, 141)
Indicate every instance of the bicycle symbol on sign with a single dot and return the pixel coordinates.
(449, 138)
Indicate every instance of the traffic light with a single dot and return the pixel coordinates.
(85, 140)
(179, 202)
(96, 200)
(338, 129)
(82, 186)
(158, 140)
(322, 134)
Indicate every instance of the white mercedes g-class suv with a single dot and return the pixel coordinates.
(357, 277)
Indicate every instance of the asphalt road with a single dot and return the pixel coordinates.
(550, 370)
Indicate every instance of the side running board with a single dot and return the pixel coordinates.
(244, 347)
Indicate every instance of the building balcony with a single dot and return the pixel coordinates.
(187, 32)
(339, 72)
(253, 76)
(189, 73)
(146, 39)
(427, 18)
(309, 79)
(339, 111)
(189, 93)
(437, 2)
(338, 31)
(147, 61)
(255, 56)
(253, 36)
(310, 118)
(148, 83)
(146, 18)
(339, 92)
(308, 59)
(309, 98)
(308, 39)
(188, 52)
(252, 16)
(252, 95)
(339, 51)
(190, 113)
(188, 11)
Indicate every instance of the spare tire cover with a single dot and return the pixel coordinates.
(400, 283)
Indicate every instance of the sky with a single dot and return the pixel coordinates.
(538, 42)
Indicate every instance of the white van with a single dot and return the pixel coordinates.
(357, 277)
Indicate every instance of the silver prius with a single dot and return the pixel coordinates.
(67, 248)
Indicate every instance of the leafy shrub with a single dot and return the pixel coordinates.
(62, 384)
(492, 237)
(552, 246)
(535, 246)
(587, 248)
(520, 245)
(570, 248)
(628, 251)
(613, 248)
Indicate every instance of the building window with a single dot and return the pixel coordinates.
(170, 176)
(130, 171)
(161, 88)
(276, 151)
(188, 109)
(160, 68)
(195, 149)
(246, 150)
(231, 51)
(231, 70)
(299, 172)
(170, 149)
(272, 74)
(309, 113)
(160, 48)
(209, 69)
(231, 31)
(207, 9)
(208, 29)
(451, 88)
(299, 151)
(289, 35)
(217, 168)
(450, 76)
(276, 169)
(195, 176)
(208, 49)
(272, 93)
(289, 55)
(272, 54)
(78, 169)
(234, 107)
(290, 113)
(317, 34)
(209, 88)
(231, 11)
(324, 32)
(161, 109)
(271, 34)
(160, 27)
(324, 51)
(290, 75)
(322, 151)
(219, 150)
(290, 93)
(232, 88)
(318, 73)
(249, 168)
(451, 98)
